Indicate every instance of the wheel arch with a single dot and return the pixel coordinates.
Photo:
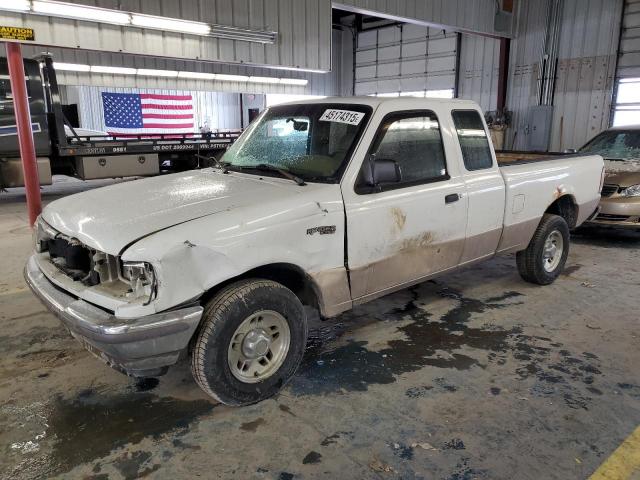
(291, 276)
(565, 207)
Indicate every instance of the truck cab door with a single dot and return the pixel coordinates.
(403, 231)
(484, 185)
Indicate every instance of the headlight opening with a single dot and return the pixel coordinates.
(142, 280)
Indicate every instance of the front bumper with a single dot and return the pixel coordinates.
(142, 346)
(618, 211)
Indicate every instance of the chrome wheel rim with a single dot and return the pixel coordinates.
(259, 346)
(552, 253)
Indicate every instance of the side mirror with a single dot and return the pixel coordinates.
(380, 171)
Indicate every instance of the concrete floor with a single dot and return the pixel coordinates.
(475, 375)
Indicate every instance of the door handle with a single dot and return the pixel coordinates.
(452, 197)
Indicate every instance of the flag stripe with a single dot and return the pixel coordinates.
(164, 111)
(146, 131)
(158, 106)
(165, 102)
(167, 125)
(174, 116)
(167, 120)
(173, 98)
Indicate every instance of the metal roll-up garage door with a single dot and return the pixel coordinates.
(626, 110)
(406, 59)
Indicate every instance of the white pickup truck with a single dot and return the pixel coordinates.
(328, 203)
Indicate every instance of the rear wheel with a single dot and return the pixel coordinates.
(544, 258)
(251, 342)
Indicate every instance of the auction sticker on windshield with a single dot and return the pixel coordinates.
(342, 116)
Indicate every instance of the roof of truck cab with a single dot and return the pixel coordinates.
(402, 102)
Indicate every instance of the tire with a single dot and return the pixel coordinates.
(532, 264)
(218, 344)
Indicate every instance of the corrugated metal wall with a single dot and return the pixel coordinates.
(584, 79)
(629, 61)
(319, 83)
(524, 66)
(303, 26)
(405, 58)
(479, 65)
(219, 110)
(460, 15)
(586, 71)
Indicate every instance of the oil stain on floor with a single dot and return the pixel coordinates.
(447, 342)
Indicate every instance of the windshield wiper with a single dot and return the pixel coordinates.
(217, 163)
(271, 168)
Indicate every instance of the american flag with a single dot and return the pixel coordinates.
(147, 113)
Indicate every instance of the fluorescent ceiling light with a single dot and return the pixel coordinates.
(294, 81)
(89, 13)
(147, 72)
(163, 23)
(264, 80)
(115, 70)
(80, 12)
(157, 73)
(197, 75)
(71, 67)
(231, 78)
(15, 5)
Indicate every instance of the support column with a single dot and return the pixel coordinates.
(25, 132)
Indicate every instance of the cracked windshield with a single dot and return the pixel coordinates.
(310, 141)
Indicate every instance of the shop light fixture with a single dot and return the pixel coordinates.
(148, 72)
(80, 12)
(164, 23)
(89, 13)
(231, 78)
(15, 5)
(294, 81)
(114, 70)
(197, 75)
(71, 67)
(263, 80)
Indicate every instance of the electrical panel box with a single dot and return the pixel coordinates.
(539, 135)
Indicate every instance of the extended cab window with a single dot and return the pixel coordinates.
(413, 141)
(472, 136)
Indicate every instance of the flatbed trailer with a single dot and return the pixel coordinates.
(61, 150)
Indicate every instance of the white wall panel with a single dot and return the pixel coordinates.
(586, 70)
(303, 26)
(479, 65)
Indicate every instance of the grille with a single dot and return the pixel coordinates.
(613, 218)
(76, 260)
(72, 258)
(609, 189)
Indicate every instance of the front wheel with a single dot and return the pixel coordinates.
(251, 342)
(544, 258)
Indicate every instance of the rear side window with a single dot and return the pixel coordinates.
(472, 136)
(414, 142)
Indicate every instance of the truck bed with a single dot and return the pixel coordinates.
(510, 157)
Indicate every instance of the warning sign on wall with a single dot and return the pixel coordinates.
(17, 33)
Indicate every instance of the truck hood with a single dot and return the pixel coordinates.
(110, 218)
